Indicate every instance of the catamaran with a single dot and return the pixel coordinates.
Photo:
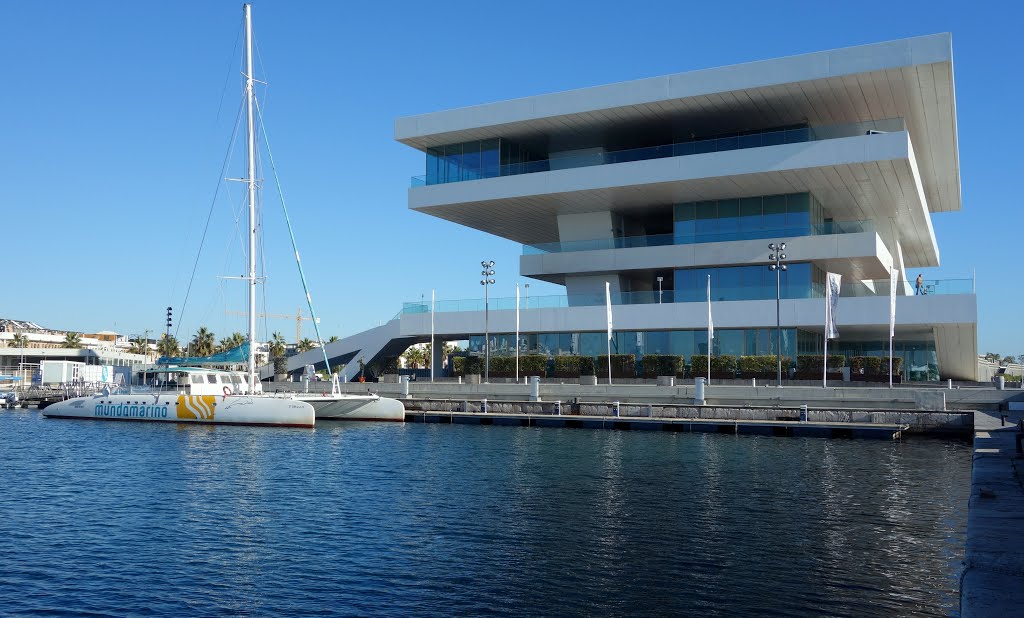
(205, 395)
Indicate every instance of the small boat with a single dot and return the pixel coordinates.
(190, 395)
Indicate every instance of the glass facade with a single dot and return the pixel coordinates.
(799, 280)
(476, 160)
(686, 343)
(795, 214)
(919, 359)
(516, 160)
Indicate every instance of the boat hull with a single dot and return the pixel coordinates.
(356, 407)
(178, 408)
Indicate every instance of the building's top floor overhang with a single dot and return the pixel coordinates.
(909, 78)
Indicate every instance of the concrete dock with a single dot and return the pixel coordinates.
(886, 431)
(992, 583)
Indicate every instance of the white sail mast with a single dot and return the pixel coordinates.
(251, 181)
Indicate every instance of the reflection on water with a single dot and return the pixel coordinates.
(426, 519)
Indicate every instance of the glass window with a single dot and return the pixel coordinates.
(490, 158)
(774, 213)
(471, 164)
(728, 219)
(684, 225)
(682, 342)
(707, 221)
(595, 344)
(727, 143)
(798, 214)
(704, 145)
(658, 342)
(453, 162)
(749, 141)
(212, 378)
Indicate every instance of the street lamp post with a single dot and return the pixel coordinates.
(527, 304)
(660, 279)
(487, 282)
(775, 263)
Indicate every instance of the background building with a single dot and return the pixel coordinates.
(655, 184)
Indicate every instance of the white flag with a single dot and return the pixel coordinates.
(608, 304)
(711, 323)
(831, 300)
(892, 302)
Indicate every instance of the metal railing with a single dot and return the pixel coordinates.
(879, 287)
(759, 139)
(662, 240)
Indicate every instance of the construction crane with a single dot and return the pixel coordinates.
(298, 317)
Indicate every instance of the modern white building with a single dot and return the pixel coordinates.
(654, 184)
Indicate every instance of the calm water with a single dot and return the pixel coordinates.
(132, 518)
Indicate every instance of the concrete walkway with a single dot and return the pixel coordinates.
(993, 580)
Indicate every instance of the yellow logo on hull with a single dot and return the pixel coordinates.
(196, 407)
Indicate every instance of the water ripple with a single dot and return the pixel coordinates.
(109, 519)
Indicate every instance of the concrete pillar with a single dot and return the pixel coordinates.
(698, 392)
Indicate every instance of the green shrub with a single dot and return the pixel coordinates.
(567, 366)
(623, 365)
(812, 363)
(503, 366)
(587, 367)
(468, 365)
(758, 364)
(698, 365)
(655, 365)
(533, 365)
(725, 363)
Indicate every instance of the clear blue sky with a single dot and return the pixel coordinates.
(116, 118)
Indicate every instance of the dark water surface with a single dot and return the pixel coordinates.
(116, 518)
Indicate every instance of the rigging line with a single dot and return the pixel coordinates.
(227, 77)
(209, 216)
(291, 234)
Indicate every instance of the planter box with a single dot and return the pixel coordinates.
(666, 381)
(473, 378)
(884, 378)
(816, 375)
(588, 380)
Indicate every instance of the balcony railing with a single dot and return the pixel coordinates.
(661, 240)
(678, 149)
(878, 287)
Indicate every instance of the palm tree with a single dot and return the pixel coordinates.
(277, 345)
(203, 344)
(139, 346)
(229, 343)
(332, 339)
(305, 345)
(19, 341)
(72, 340)
(168, 346)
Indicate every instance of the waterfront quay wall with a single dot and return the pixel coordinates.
(938, 423)
(927, 399)
(992, 583)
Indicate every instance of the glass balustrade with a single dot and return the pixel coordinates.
(879, 287)
(661, 240)
(483, 167)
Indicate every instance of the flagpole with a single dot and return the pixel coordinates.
(517, 333)
(824, 358)
(892, 317)
(608, 305)
(711, 329)
(432, 350)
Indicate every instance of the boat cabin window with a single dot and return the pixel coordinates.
(236, 379)
(197, 378)
(212, 377)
